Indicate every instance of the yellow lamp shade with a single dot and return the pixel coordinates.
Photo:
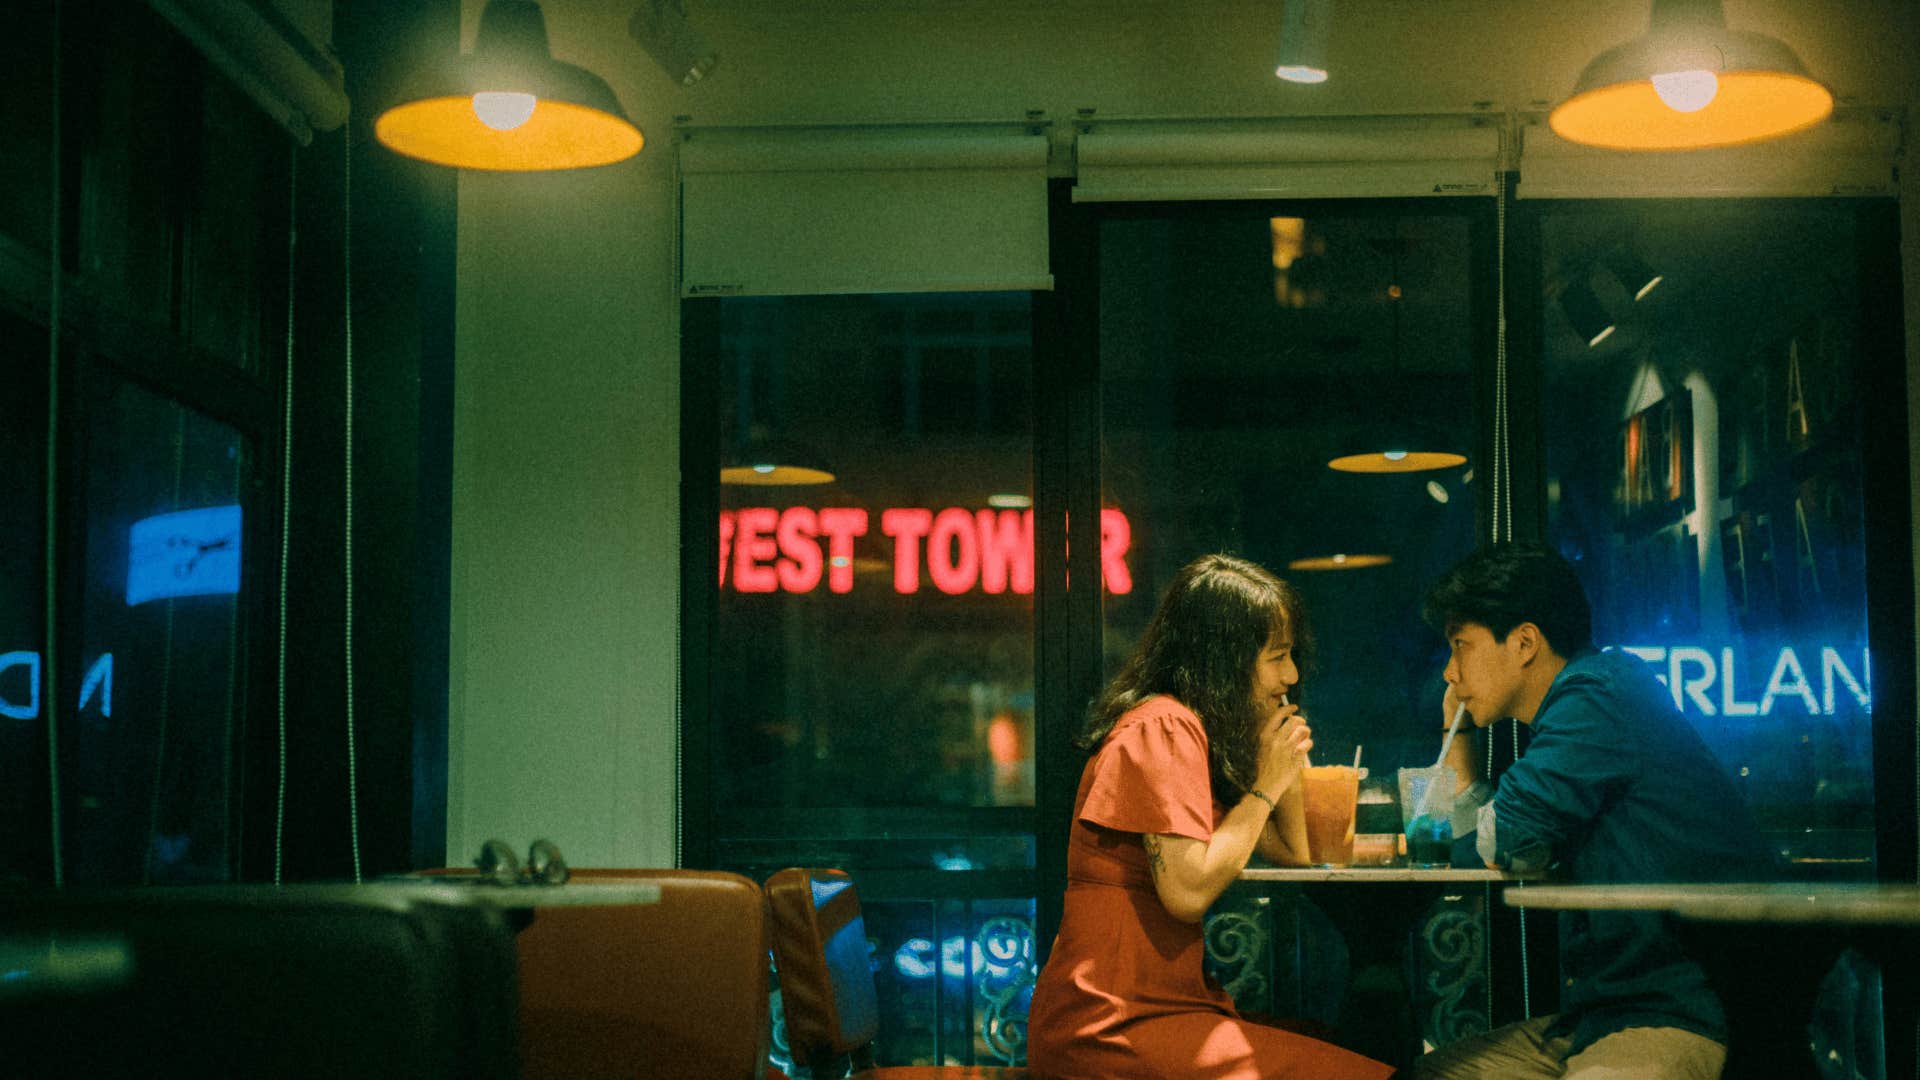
(1396, 461)
(509, 106)
(770, 475)
(559, 135)
(1357, 561)
(765, 461)
(1748, 107)
(1690, 83)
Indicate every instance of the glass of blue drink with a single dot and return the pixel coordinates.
(1427, 817)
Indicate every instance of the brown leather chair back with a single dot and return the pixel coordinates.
(826, 981)
(820, 947)
(673, 989)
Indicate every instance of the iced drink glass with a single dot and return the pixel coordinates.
(1430, 833)
(1330, 793)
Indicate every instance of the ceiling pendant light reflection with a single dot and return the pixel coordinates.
(764, 462)
(1690, 83)
(1304, 25)
(1386, 445)
(509, 106)
(1340, 561)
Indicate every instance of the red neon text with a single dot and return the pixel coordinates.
(765, 550)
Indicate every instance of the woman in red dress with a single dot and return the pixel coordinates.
(1197, 758)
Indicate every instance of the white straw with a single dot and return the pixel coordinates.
(1356, 756)
(1446, 744)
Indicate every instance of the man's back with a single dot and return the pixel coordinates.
(1616, 787)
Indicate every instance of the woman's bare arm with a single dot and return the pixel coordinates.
(1283, 842)
(1188, 874)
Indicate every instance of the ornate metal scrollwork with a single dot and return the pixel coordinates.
(1452, 963)
(1006, 947)
(1237, 943)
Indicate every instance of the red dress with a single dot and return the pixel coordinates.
(1123, 996)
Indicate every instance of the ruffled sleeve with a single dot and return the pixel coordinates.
(1152, 775)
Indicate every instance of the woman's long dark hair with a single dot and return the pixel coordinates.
(1200, 648)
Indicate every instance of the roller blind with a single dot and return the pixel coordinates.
(1306, 158)
(276, 51)
(936, 208)
(1851, 154)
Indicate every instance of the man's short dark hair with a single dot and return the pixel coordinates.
(1501, 586)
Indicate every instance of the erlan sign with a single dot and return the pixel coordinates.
(1709, 683)
(763, 549)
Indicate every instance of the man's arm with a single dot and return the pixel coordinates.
(1582, 756)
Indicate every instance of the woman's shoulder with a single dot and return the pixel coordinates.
(1162, 712)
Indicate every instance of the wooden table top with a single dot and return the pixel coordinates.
(1843, 904)
(1381, 874)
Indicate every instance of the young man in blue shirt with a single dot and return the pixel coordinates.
(1615, 787)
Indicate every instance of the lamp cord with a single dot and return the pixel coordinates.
(166, 676)
(353, 785)
(286, 511)
(49, 681)
(1503, 512)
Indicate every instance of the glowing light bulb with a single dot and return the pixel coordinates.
(1687, 91)
(1393, 455)
(763, 470)
(1300, 73)
(503, 110)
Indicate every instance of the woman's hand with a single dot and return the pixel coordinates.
(1285, 739)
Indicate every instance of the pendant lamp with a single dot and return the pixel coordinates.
(509, 105)
(763, 461)
(1689, 83)
(1340, 561)
(1304, 25)
(1395, 448)
(1387, 445)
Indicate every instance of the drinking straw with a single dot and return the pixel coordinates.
(1426, 791)
(1356, 756)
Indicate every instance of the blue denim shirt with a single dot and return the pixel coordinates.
(1616, 787)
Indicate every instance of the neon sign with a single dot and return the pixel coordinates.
(185, 553)
(98, 679)
(763, 549)
(1694, 674)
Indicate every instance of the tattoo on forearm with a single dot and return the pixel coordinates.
(1155, 863)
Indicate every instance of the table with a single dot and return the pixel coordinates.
(1881, 920)
(1382, 874)
(1414, 941)
(521, 897)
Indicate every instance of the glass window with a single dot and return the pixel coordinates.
(147, 741)
(872, 670)
(1240, 356)
(1704, 475)
(26, 126)
(1270, 382)
(24, 842)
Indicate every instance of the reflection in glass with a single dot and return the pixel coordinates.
(875, 638)
(1239, 356)
(147, 744)
(1704, 476)
(24, 826)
